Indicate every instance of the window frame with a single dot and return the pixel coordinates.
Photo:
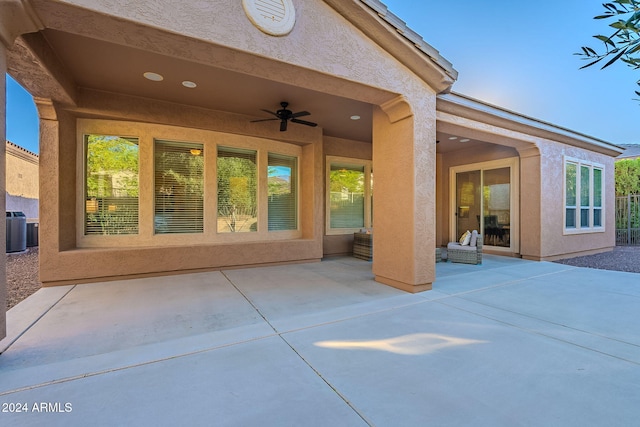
(82, 230)
(187, 145)
(367, 166)
(579, 206)
(147, 134)
(295, 185)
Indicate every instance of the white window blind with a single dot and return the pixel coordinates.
(283, 192)
(111, 185)
(347, 196)
(179, 187)
(237, 190)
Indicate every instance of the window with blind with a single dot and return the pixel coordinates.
(237, 190)
(282, 192)
(111, 185)
(583, 196)
(179, 187)
(349, 195)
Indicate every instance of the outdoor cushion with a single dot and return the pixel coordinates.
(474, 238)
(459, 247)
(464, 236)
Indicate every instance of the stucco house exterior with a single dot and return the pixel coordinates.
(178, 89)
(22, 184)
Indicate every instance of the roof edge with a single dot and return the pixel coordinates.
(375, 20)
(458, 104)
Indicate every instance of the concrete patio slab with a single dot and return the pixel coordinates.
(505, 343)
(431, 365)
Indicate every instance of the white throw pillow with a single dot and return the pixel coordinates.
(464, 236)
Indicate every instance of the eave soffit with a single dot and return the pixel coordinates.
(473, 109)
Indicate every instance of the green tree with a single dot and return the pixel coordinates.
(347, 179)
(627, 177)
(112, 166)
(624, 42)
(237, 190)
(111, 205)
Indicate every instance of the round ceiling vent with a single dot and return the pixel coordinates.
(274, 17)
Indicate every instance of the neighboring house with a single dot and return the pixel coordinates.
(631, 151)
(22, 181)
(174, 93)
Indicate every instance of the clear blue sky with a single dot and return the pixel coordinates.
(517, 55)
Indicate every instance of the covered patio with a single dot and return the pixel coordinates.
(509, 342)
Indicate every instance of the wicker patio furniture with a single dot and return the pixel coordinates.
(467, 254)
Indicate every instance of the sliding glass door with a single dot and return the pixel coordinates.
(484, 198)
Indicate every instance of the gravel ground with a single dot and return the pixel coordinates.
(622, 258)
(22, 268)
(22, 275)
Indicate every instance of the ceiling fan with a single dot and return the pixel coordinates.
(285, 115)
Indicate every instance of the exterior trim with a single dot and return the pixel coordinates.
(473, 109)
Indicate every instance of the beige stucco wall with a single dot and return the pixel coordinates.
(542, 235)
(22, 181)
(554, 242)
(541, 149)
(69, 256)
(330, 56)
(404, 164)
(21, 172)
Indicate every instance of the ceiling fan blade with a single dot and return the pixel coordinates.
(304, 122)
(300, 114)
(270, 112)
(262, 120)
(283, 126)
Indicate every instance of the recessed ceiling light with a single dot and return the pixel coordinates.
(153, 76)
(453, 138)
(465, 140)
(189, 84)
(355, 117)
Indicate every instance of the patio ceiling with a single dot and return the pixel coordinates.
(110, 67)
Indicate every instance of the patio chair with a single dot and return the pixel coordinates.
(470, 253)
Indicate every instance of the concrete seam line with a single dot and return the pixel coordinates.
(32, 324)
(546, 335)
(135, 365)
(340, 395)
(335, 390)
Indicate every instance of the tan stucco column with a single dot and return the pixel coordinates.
(3, 163)
(404, 196)
(530, 203)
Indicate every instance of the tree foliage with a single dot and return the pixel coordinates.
(112, 166)
(627, 177)
(623, 44)
(348, 180)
